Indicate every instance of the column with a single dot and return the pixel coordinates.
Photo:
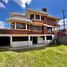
(28, 16)
(34, 16)
(45, 41)
(26, 26)
(15, 25)
(10, 41)
(40, 17)
(29, 41)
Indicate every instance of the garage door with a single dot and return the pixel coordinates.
(4, 41)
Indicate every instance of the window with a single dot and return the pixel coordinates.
(37, 16)
(36, 28)
(20, 38)
(31, 38)
(32, 16)
(12, 25)
(49, 37)
(43, 37)
(20, 26)
(49, 29)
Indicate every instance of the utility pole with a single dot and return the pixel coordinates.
(63, 11)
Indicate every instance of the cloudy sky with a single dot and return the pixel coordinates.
(54, 8)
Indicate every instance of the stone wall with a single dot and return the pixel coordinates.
(63, 39)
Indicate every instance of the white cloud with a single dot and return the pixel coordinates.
(23, 2)
(61, 23)
(5, 1)
(2, 5)
(19, 2)
(2, 24)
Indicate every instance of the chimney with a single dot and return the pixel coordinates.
(44, 9)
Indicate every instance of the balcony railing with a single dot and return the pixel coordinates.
(19, 31)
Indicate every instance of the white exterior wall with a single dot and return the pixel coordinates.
(21, 43)
(29, 43)
(40, 40)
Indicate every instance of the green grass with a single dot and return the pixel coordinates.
(47, 57)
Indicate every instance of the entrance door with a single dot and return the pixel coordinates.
(34, 40)
(4, 41)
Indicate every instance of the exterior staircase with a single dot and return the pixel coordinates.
(60, 38)
(54, 40)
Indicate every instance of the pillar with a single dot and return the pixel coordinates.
(29, 41)
(15, 25)
(26, 26)
(45, 41)
(40, 17)
(34, 16)
(10, 41)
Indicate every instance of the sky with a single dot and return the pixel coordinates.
(54, 8)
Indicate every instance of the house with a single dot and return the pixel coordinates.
(32, 28)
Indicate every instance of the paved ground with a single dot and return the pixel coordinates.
(25, 48)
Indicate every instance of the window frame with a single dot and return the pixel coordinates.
(48, 37)
(37, 16)
(49, 29)
(17, 39)
(31, 16)
(18, 26)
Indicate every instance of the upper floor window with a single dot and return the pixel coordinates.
(37, 16)
(20, 26)
(32, 16)
(49, 37)
(12, 25)
(49, 29)
(36, 28)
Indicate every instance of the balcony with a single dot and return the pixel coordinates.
(19, 31)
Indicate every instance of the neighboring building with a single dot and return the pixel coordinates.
(34, 27)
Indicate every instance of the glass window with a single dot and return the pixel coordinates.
(43, 37)
(12, 25)
(20, 26)
(49, 37)
(36, 28)
(32, 16)
(37, 16)
(20, 38)
(49, 29)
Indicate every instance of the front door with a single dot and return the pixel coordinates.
(34, 40)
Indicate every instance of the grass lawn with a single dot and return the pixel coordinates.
(47, 57)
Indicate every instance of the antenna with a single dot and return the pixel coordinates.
(26, 6)
(63, 11)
